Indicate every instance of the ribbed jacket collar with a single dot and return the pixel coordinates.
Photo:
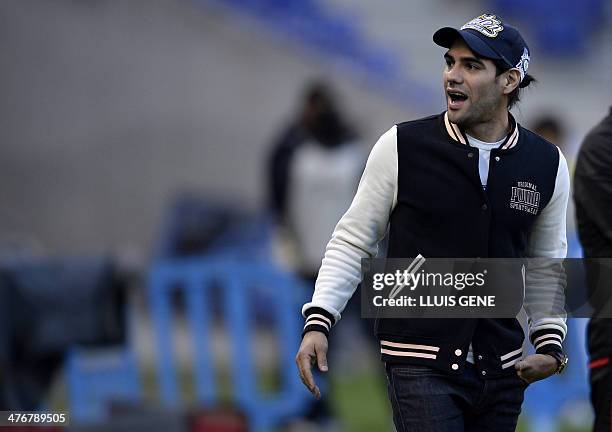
(457, 134)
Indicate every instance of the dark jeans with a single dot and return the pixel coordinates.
(426, 400)
(601, 398)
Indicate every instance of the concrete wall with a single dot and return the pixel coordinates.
(110, 107)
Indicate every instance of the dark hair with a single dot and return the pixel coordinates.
(515, 96)
(548, 122)
(318, 92)
(327, 125)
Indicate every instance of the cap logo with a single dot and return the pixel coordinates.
(488, 25)
(523, 63)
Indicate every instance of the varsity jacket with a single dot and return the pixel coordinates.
(421, 182)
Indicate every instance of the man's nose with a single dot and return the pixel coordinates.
(453, 75)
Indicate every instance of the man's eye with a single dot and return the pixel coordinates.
(472, 66)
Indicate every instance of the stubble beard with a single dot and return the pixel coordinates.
(478, 113)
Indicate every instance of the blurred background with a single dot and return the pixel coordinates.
(157, 159)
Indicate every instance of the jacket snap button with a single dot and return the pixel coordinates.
(483, 373)
(479, 357)
(457, 352)
(470, 154)
(484, 207)
(497, 158)
(455, 366)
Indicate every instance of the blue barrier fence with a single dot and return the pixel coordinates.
(236, 282)
(233, 290)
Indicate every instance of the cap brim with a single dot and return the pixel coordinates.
(446, 36)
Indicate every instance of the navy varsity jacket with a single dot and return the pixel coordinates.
(422, 183)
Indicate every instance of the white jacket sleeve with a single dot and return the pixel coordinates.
(356, 236)
(545, 279)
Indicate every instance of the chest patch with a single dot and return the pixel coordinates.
(525, 197)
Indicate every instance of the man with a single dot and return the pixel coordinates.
(316, 149)
(593, 197)
(319, 148)
(444, 186)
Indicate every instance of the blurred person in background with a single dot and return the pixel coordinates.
(549, 127)
(313, 170)
(593, 197)
(442, 187)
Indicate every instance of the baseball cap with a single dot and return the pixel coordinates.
(488, 36)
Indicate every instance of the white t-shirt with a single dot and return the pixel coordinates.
(322, 183)
(484, 156)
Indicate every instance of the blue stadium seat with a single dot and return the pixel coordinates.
(196, 226)
(96, 377)
(562, 27)
(75, 313)
(333, 34)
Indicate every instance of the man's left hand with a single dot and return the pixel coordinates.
(536, 367)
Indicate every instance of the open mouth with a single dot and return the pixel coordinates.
(456, 98)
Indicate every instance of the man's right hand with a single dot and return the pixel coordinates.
(312, 350)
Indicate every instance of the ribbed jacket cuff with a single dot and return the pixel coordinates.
(547, 340)
(318, 319)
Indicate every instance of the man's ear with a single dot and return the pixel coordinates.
(511, 80)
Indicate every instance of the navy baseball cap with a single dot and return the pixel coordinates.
(488, 36)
